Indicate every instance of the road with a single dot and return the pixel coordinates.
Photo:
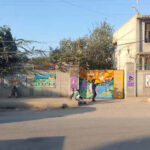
(104, 125)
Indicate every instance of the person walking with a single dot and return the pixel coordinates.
(93, 90)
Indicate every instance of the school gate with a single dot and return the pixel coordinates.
(110, 83)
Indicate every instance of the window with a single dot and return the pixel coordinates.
(147, 32)
(147, 63)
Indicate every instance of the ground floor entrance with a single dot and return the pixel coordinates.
(110, 83)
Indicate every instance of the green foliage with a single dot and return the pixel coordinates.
(90, 52)
(41, 60)
(10, 57)
(41, 63)
(101, 47)
(69, 53)
(93, 52)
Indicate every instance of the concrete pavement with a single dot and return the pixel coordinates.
(36, 103)
(46, 103)
(104, 125)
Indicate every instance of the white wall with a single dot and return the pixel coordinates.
(142, 90)
(125, 37)
(62, 86)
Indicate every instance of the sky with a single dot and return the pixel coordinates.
(49, 21)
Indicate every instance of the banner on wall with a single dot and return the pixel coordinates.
(147, 81)
(45, 80)
(15, 80)
(130, 80)
(74, 82)
(118, 84)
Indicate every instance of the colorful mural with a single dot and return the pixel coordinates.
(103, 79)
(45, 80)
(109, 83)
(130, 80)
(74, 82)
(118, 84)
(17, 80)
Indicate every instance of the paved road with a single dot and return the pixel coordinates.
(104, 125)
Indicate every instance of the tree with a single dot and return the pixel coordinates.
(69, 53)
(101, 47)
(10, 56)
(93, 52)
(8, 50)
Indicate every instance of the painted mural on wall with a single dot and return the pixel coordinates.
(103, 79)
(74, 82)
(130, 79)
(15, 80)
(118, 84)
(147, 81)
(45, 80)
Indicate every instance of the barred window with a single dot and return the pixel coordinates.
(147, 32)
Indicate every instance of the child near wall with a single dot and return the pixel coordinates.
(76, 96)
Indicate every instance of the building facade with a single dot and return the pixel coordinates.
(133, 54)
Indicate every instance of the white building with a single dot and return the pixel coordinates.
(133, 47)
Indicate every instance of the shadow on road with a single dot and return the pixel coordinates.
(41, 143)
(103, 101)
(135, 144)
(18, 116)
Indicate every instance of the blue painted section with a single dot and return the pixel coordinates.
(103, 92)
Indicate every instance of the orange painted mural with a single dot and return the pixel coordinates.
(106, 81)
(16, 79)
(118, 84)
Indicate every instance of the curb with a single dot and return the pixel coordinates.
(36, 105)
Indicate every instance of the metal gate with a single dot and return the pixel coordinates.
(109, 83)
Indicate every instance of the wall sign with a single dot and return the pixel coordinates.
(74, 82)
(45, 80)
(130, 80)
(15, 80)
(147, 81)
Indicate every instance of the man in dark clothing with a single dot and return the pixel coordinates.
(14, 92)
(93, 90)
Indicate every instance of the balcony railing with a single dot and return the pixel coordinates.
(143, 67)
